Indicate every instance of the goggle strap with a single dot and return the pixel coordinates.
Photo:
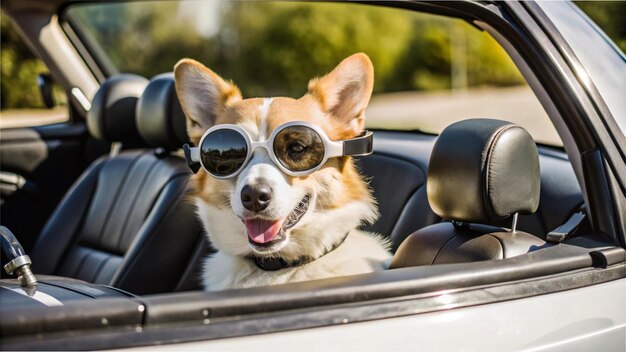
(362, 145)
(193, 165)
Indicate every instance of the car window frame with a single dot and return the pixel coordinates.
(596, 133)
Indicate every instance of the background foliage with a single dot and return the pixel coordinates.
(274, 48)
(18, 71)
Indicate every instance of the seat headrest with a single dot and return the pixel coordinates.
(112, 114)
(160, 118)
(483, 170)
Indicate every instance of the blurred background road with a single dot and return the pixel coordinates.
(432, 112)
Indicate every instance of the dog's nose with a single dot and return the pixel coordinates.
(256, 197)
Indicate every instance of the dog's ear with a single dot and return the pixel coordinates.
(203, 95)
(345, 92)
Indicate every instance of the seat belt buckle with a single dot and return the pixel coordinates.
(559, 234)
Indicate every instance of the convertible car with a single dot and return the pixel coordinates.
(101, 249)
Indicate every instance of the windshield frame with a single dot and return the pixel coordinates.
(596, 116)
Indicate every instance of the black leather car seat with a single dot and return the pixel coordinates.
(480, 171)
(123, 223)
(399, 188)
(161, 121)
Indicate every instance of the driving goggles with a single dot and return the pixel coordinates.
(297, 148)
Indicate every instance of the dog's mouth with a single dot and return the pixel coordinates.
(267, 233)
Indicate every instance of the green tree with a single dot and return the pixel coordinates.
(275, 48)
(427, 64)
(292, 42)
(488, 64)
(19, 70)
(143, 39)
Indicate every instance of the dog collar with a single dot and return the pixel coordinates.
(273, 264)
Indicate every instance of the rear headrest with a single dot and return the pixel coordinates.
(160, 118)
(112, 114)
(483, 170)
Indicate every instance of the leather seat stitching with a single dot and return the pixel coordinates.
(130, 212)
(82, 261)
(75, 238)
(117, 194)
(164, 185)
(142, 248)
(100, 267)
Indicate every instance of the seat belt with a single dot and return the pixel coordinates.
(559, 234)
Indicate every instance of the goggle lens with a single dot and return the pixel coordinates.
(299, 148)
(223, 152)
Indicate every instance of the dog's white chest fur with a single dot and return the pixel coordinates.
(229, 268)
(360, 253)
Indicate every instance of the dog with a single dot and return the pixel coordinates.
(271, 222)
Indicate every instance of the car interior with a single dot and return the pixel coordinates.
(115, 219)
(127, 207)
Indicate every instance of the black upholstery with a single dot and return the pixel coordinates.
(125, 222)
(109, 215)
(402, 208)
(495, 157)
(191, 277)
(560, 193)
(446, 243)
(112, 114)
(160, 118)
(483, 170)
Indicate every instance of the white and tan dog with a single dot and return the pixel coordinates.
(311, 222)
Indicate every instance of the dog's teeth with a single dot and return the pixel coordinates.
(297, 212)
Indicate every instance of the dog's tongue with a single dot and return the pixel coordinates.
(263, 231)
